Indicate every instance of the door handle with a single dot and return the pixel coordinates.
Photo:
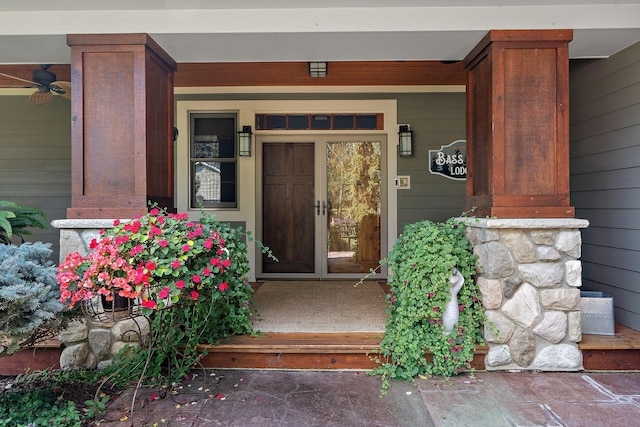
(317, 206)
(324, 207)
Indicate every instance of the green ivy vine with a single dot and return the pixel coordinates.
(421, 262)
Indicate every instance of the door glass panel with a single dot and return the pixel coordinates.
(353, 206)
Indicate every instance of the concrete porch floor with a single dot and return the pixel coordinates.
(351, 398)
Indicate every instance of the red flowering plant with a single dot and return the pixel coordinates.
(166, 260)
(163, 259)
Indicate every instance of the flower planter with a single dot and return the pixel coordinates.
(117, 304)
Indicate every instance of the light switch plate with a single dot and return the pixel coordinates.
(403, 182)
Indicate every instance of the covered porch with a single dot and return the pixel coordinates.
(506, 115)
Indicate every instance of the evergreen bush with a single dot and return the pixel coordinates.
(30, 307)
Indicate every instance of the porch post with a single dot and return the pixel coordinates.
(518, 175)
(122, 125)
(518, 124)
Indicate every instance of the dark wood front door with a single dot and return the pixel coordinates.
(288, 227)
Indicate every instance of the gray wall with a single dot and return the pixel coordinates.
(605, 176)
(35, 159)
(437, 119)
(35, 154)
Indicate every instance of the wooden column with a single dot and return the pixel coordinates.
(122, 125)
(518, 124)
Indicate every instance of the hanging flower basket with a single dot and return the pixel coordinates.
(159, 260)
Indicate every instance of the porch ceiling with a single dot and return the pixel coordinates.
(300, 30)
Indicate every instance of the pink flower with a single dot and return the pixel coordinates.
(223, 286)
(155, 231)
(134, 226)
(164, 293)
(196, 279)
(180, 284)
(195, 233)
(149, 303)
(208, 244)
(175, 263)
(185, 248)
(154, 211)
(194, 295)
(206, 271)
(150, 265)
(122, 239)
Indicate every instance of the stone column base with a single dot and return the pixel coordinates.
(92, 343)
(529, 280)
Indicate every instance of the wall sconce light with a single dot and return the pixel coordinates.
(244, 141)
(318, 69)
(405, 135)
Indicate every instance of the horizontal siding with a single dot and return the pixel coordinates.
(611, 218)
(614, 159)
(610, 180)
(608, 122)
(594, 144)
(605, 176)
(605, 73)
(622, 198)
(437, 119)
(614, 257)
(35, 159)
(617, 90)
(611, 237)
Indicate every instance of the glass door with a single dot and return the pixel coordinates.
(353, 232)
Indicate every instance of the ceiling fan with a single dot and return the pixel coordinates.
(45, 82)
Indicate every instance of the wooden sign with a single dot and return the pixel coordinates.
(450, 160)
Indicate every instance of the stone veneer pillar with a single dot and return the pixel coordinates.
(530, 279)
(92, 342)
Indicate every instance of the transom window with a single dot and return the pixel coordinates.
(341, 121)
(213, 160)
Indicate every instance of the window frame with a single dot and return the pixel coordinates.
(193, 160)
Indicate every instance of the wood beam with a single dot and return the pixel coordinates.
(346, 73)
(122, 125)
(518, 124)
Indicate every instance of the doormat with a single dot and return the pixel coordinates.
(320, 306)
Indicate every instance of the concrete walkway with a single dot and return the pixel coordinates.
(309, 398)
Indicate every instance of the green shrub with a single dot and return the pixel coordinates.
(30, 307)
(421, 262)
(49, 398)
(17, 220)
(38, 407)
